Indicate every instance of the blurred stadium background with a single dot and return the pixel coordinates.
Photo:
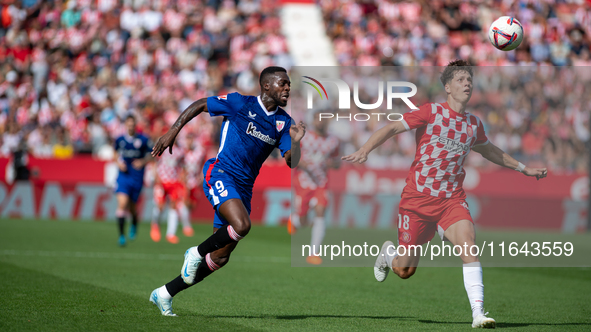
(70, 71)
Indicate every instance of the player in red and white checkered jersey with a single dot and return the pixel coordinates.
(319, 153)
(169, 183)
(433, 198)
(194, 159)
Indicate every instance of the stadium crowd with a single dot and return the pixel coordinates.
(70, 71)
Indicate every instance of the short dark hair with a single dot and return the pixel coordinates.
(130, 116)
(270, 71)
(453, 67)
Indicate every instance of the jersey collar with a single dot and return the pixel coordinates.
(265, 109)
(446, 106)
(128, 137)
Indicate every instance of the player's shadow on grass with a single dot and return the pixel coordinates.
(294, 317)
(507, 325)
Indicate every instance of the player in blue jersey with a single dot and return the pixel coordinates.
(252, 128)
(132, 155)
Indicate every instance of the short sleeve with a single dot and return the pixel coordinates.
(285, 140)
(481, 138)
(417, 118)
(225, 105)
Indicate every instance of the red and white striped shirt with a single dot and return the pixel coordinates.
(444, 139)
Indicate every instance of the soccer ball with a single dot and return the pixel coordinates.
(505, 33)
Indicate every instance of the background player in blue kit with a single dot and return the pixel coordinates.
(132, 155)
(252, 128)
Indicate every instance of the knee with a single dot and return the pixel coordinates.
(405, 273)
(242, 227)
(320, 211)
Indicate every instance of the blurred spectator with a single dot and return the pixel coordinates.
(62, 149)
(11, 138)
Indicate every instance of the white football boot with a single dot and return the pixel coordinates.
(380, 268)
(189, 269)
(165, 306)
(481, 321)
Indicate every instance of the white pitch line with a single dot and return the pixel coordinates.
(136, 256)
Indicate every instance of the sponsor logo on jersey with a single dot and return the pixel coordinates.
(280, 125)
(252, 131)
(223, 97)
(250, 115)
(470, 131)
(406, 237)
(453, 146)
(137, 143)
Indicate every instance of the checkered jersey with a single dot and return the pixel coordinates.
(316, 151)
(444, 139)
(194, 160)
(169, 165)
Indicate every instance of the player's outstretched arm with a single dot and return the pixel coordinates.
(297, 132)
(499, 157)
(167, 140)
(378, 138)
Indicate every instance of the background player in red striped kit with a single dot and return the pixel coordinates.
(433, 198)
(169, 186)
(320, 152)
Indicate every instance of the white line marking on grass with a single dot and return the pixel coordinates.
(136, 256)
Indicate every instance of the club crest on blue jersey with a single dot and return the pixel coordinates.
(137, 143)
(280, 125)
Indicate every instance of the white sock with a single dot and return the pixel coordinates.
(155, 214)
(163, 293)
(184, 213)
(195, 252)
(295, 221)
(173, 222)
(317, 234)
(390, 255)
(474, 287)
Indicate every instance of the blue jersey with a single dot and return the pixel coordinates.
(129, 149)
(249, 135)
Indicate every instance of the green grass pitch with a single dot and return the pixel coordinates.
(72, 276)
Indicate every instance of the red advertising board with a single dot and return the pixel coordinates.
(76, 189)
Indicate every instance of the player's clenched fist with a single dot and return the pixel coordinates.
(539, 173)
(122, 166)
(359, 156)
(297, 132)
(166, 141)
